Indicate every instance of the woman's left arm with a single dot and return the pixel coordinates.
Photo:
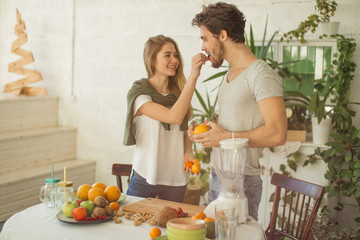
(188, 153)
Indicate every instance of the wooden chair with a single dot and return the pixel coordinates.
(295, 220)
(121, 170)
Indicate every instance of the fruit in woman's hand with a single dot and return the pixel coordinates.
(189, 164)
(79, 213)
(155, 232)
(112, 193)
(89, 206)
(100, 201)
(201, 128)
(82, 191)
(196, 167)
(68, 207)
(94, 192)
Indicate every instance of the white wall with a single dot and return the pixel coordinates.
(90, 58)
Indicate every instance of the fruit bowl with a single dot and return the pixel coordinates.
(61, 217)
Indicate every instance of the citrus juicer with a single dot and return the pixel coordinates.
(229, 163)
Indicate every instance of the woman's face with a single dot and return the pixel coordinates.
(167, 60)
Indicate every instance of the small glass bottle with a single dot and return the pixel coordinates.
(48, 191)
(60, 194)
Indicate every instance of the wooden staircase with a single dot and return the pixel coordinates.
(30, 141)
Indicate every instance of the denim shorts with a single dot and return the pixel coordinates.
(253, 190)
(140, 188)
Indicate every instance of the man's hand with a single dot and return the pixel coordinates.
(210, 138)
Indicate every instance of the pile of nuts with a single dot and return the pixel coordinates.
(138, 218)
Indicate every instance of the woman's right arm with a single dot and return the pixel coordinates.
(177, 112)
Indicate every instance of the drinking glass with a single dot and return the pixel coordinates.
(225, 222)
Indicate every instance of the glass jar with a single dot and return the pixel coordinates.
(60, 194)
(47, 192)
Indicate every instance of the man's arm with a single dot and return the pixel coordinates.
(272, 133)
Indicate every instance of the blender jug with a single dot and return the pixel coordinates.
(229, 163)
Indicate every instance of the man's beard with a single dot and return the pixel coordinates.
(217, 57)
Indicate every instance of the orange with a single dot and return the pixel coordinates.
(115, 206)
(82, 191)
(207, 219)
(155, 232)
(189, 164)
(201, 128)
(201, 215)
(196, 168)
(94, 192)
(112, 193)
(99, 185)
(197, 217)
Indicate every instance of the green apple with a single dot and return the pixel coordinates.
(68, 207)
(89, 206)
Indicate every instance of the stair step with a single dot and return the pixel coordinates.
(36, 147)
(21, 189)
(20, 113)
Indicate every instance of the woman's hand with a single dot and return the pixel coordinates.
(196, 63)
(188, 157)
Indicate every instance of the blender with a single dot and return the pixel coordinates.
(229, 163)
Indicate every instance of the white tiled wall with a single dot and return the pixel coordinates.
(91, 58)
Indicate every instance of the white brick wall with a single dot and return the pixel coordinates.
(109, 40)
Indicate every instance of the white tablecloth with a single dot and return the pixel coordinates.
(40, 223)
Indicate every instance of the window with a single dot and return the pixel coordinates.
(310, 61)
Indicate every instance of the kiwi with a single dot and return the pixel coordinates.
(98, 211)
(109, 211)
(100, 201)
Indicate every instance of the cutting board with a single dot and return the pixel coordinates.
(153, 205)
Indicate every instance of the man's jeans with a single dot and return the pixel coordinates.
(253, 190)
(140, 188)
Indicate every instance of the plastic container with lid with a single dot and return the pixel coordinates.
(60, 194)
(48, 192)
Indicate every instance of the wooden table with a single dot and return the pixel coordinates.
(40, 223)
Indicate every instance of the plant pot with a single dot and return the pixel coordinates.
(320, 131)
(330, 28)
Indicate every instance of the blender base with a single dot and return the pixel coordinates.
(241, 205)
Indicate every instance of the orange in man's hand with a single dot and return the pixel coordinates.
(201, 128)
(155, 232)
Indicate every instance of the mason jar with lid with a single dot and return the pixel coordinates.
(48, 192)
(60, 194)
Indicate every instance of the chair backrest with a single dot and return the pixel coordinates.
(302, 201)
(121, 170)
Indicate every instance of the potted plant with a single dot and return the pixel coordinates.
(326, 10)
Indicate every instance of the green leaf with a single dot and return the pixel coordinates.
(216, 76)
(346, 173)
(348, 156)
(201, 100)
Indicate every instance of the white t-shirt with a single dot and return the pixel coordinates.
(158, 153)
(238, 109)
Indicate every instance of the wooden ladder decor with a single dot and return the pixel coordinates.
(19, 87)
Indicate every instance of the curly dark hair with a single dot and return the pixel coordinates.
(222, 16)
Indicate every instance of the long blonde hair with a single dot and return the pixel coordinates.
(152, 47)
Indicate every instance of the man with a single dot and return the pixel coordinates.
(251, 103)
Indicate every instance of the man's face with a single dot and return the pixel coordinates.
(213, 47)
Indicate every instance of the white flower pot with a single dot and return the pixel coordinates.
(321, 131)
(330, 28)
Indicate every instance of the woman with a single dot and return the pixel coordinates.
(158, 111)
